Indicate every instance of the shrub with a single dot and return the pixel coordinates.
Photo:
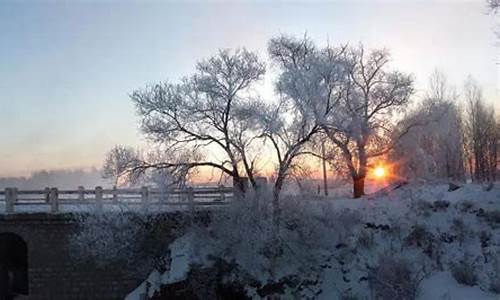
(422, 207)
(365, 239)
(348, 295)
(222, 281)
(484, 238)
(464, 272)
(393, 278)
(440, 205)
(495, 286)
(458, 226)
(129, 238)
(246, 233)
(466, 206)
(494, 275)
(492, 218)
(419, 236)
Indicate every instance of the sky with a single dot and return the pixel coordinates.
(67, 67)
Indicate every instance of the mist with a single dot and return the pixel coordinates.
(62, 179)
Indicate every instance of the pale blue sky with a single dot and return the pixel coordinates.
(67, 67)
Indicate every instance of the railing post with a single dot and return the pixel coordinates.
(54, 200)
(15, 198)
(144, 197)
(222, 193)
(190, 194)
(46, 193)
(98, 198)
(163, 195)
(115, 194)
(9, 201)
(81, 194)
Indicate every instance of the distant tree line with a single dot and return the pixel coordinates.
(459, 134)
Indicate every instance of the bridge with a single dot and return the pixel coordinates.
(36, 227)
(54, 200)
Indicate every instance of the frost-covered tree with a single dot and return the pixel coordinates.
(482, 137)
(352, 95)
(128, 167)
(308, 86)
(433, 149)
(288, 128)
(363, 126)
(206, 112)
(116, 163)
(493, 4)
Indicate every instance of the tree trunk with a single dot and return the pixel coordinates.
(276, 201)
(325, 179)
(471, 170)
(358, 186)
(240, 185)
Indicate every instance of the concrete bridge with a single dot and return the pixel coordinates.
(55, 200)
(35, 249)
(36, 227)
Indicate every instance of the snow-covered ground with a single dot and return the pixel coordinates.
(412, 243)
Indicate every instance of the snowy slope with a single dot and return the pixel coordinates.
(351, 246)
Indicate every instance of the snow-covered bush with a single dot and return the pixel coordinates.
(419, 236)
(422, 207)
(365, 239)
(105, 236)
(464, 271)
(441, 205)
(494, 274)
(492, 218)
(465, 206)
(122, 237)
(289, 255)
(394, 278)
(243, 232)
(460, 229)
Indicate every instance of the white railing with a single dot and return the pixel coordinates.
(53, 198)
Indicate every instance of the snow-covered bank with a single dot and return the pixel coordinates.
(417, 242)
(442, 285)
(181, 256)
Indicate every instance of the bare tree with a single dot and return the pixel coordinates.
(206, 112)
(481, 134)
(434, 149)
(350, 93)
(371, 97)
(117, 162)
(308, 85)
(289, 129)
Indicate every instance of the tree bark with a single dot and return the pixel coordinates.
(358, 186)
(276, 201)
(240, 185)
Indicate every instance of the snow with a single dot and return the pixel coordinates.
(401, 210)
(147, 287)
(441, 286)
(182, 256)
(181, 253)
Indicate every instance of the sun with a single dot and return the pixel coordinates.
(379, 172)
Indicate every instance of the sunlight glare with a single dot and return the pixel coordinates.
(379, 172)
